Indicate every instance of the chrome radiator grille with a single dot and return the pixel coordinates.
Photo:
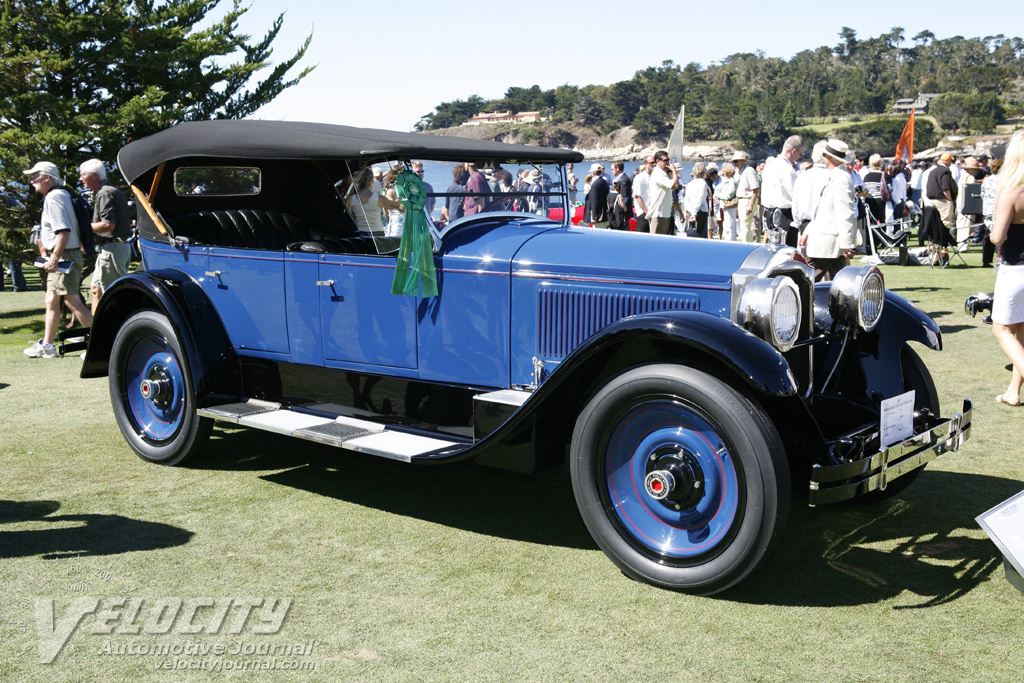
(567, 316)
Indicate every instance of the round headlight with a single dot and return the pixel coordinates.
(856, 297)
(771, 310)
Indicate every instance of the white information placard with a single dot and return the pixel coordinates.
(1004, 524)
(897, 419)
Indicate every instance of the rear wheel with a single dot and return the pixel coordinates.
(681, 479)
(151, 392)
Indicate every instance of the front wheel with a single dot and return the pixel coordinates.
(681, 479)
(151, 392)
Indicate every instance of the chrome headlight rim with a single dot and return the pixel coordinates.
(761, 310)
(856, 297)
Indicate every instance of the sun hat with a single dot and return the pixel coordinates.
(739, 155)
(44, 167)
(971, 163)
(838, 150)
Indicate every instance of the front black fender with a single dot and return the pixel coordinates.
(901, 322)
(878, 352)
(542, 428)
(209, 356)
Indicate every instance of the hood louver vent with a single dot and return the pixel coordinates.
(568, 316)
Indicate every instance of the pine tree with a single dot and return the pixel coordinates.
(81, 78)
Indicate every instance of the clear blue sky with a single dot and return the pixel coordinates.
(386, 64)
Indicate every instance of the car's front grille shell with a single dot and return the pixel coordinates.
(567, 316)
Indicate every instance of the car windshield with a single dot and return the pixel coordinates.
(456, 193)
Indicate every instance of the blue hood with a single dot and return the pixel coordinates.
(630, 256)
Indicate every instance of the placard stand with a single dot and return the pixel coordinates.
(1004, 524)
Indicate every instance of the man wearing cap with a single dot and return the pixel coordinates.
(831, 237)
(59, 236)
(748, 191)
(596, 210)
(111, 222)
(938, 213)
(641, 193)
(777, 184)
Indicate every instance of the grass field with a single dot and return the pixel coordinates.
(469, 574)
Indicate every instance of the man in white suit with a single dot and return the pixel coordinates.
(830, 238)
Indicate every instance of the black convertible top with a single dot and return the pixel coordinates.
(295, 140)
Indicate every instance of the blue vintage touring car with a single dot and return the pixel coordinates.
(690, 383)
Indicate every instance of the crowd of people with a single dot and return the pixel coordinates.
(730, 203)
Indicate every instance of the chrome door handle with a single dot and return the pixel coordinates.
(213, 273)
(325, 283)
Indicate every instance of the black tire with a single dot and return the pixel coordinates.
(152, 394)
(703, 537)
(916, 377)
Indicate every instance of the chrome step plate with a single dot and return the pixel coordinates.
(231, 412)
(350, 433)
(510, 397)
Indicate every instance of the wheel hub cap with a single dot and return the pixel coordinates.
(157, 387)
(674, 477)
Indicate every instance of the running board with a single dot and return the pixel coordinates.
(350, 433)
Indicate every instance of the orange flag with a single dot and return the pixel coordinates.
(906, 143)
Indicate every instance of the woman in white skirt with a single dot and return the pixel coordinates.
(1008, 233)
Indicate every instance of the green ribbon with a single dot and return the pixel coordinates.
(416, 252)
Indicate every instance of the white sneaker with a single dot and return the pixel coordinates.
(40, 350)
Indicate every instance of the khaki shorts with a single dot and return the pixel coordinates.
(111, 263)
(70, 282)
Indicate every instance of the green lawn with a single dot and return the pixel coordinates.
(470, 574)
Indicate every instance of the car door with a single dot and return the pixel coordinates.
(362, 321)
(247, 287)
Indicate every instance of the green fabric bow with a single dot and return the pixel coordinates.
(416, 253)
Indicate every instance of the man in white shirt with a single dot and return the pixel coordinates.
(641, 194)
(60, 239)
(777, 184)
(748, 191)
(664, 179)
(915, 183)
(808, 187)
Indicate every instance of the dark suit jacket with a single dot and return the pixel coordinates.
(596, 209)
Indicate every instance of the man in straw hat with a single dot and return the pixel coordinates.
(830, 238)
(748, 191)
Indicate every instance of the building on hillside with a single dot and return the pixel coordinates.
(919, 104)
(505, 117)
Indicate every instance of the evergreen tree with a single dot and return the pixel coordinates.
(81, 79)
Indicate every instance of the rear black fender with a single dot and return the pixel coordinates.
(542, 428)
(209, 356)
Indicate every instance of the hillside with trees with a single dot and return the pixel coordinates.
(757, 100)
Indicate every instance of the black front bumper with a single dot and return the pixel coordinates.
(836, 483)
